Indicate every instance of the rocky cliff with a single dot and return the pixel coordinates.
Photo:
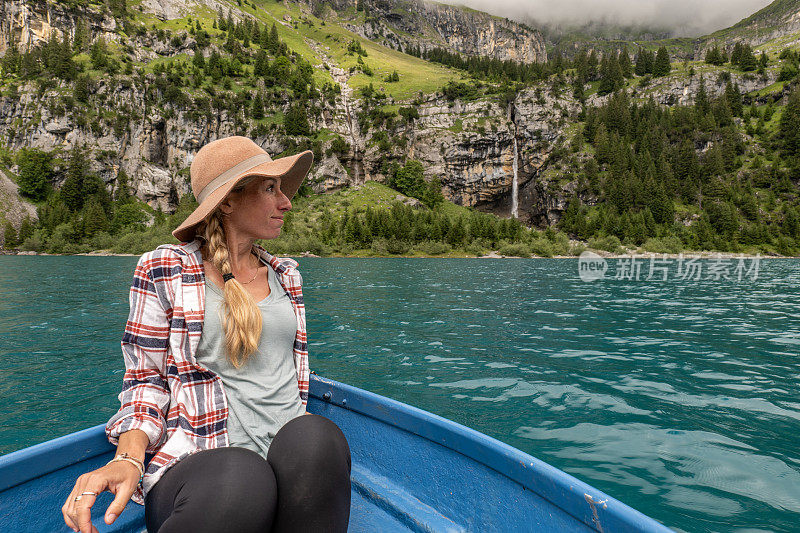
(425, 25)
(26, 24)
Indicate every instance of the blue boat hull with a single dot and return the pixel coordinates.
(411, 471)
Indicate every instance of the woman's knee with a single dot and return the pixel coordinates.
(312, 439)
(223, 488)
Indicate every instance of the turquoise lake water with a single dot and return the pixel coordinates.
(677, 397)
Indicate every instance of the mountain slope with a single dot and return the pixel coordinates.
(421, 24)
(779, 19)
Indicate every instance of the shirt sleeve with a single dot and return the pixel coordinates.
(145, 395)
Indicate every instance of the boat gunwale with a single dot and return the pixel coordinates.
(571, 493)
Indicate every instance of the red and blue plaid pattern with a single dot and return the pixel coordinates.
(180, 405)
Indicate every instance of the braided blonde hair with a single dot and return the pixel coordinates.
(241, 318)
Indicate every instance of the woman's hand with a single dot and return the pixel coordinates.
(120, 478)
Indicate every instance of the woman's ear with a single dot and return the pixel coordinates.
(226, 206)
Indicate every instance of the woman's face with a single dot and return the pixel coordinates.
(256, 212)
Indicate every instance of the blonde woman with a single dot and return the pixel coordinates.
(216, 378)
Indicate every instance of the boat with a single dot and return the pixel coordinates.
(411, 471)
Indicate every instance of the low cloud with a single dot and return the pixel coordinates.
(683, 18)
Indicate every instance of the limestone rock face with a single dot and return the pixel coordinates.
(403, 23)
(28, 22)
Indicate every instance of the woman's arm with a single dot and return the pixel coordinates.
(134, 443)
(145, 393)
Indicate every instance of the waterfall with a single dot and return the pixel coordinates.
(515, 183)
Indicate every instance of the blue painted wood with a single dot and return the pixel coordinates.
(412, 471)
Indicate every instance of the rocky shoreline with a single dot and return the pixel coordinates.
(494, 254)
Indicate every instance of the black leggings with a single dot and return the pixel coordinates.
(304, 485)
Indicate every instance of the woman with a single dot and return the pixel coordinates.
(216, 378)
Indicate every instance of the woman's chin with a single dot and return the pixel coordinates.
(271, 234)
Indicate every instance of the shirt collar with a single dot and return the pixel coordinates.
(280, 264)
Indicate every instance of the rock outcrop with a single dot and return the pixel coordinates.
(425, 25)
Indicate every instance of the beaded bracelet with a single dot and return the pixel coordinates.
(135, 462)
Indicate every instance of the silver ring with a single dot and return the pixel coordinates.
(77, 498)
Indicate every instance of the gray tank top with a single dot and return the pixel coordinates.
(262, 394)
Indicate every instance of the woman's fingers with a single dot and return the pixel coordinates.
(83, 507)
(123, 492)
(68, 509)
(78, 514)
(120, 479)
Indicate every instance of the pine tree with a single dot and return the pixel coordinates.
(295, 121)
(72, 192)
(274, 40)
(99, 54)
(748, 61)
(641, 62)
(722, 112)
(10, 236)
(625, 63)
(606, 81)
(67, 69)
(81, 36)
(789, 129)
(591, 66)
(198, 60)
(734, 97)
(11, 61)
(714, 56)
(611, 77)
(261, 66)
(661, 206)
(35, 172)
(701, 103)
(26, 229)
(121, 193)
(661, 66)
(95, 218)
(791, 223)
(457, 233)
(736, 54)
(258, 107)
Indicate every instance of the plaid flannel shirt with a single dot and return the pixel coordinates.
(180, 405)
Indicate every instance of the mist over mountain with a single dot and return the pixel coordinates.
(674, 18)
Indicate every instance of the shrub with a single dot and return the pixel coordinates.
(433, 248)
(665, 245)
(478, 247)
(393, 246)
(610, 243)
(34, 243)
(577, 249)
(541, 247)
(515, 249)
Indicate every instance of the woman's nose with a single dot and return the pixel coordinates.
(285, 203)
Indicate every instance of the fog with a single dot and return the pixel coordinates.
(683, 18)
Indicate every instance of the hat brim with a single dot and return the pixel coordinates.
(292, 170)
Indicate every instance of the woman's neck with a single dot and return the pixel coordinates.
(239, 252)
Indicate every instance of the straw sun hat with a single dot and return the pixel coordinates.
(220, 165)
